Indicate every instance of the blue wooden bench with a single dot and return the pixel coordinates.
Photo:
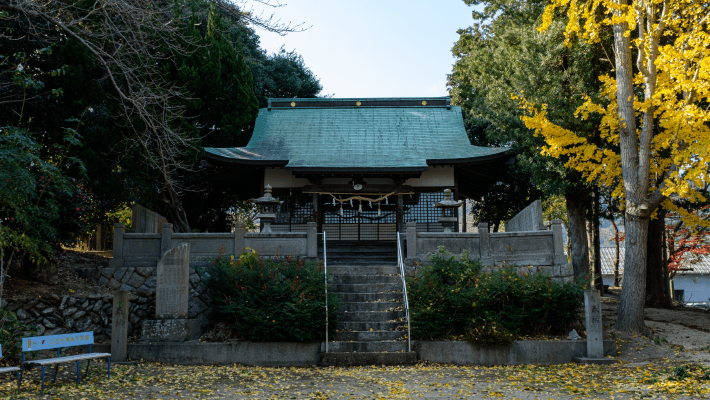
(58, 342)
(7, 369)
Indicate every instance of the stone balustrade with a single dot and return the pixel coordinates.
(142, 250)
(534, 251)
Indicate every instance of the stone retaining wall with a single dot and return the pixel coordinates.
(56, 315)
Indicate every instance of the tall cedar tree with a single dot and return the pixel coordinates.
(220, 104)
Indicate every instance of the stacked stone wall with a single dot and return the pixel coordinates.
(55, 314)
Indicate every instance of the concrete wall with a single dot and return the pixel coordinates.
(529, 219)
(280, 178)
(435, 176)
(534, 352)
(696, 287)
(246, 353)
(542, 250)
(541, 352)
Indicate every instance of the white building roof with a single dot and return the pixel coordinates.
(700, 264)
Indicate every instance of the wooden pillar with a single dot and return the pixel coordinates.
(99, 239)
(400, 213)
(463, 215)
(317, 212)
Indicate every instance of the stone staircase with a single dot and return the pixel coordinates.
(372, 329)
(360, 253)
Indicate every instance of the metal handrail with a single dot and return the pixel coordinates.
(325, 276)
(400, 261)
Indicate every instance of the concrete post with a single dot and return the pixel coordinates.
(557, 244)
(485, 244)
(119, 326)
(239, 243)
(166, 238)
(312, 239)
(593, 314)
(411, 239)
(117, 260)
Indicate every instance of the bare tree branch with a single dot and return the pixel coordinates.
(131, 40)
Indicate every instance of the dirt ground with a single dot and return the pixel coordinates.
(69, 281)
(671, 362)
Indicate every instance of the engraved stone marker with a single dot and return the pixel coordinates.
(173, 283)
(171, 299)
(593, 314)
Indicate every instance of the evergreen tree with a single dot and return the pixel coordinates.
(218, 83)
(501, 56)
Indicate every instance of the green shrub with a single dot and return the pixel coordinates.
(12, 330)
(453, 297)
(489, 334)
(268, 300)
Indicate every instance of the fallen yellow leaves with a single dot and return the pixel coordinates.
(568, 381)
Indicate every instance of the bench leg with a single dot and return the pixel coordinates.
(19, 378)
(56, 368)
(109, 367)
(43, 378)
(78, 371)
(87, 368)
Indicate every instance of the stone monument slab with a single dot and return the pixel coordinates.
(172, 293)
(595, 342)
(173, 283)
(119, 326)
(593, 316)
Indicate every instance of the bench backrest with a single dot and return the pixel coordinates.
(57, 341)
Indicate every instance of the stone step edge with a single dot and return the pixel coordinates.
(364, 359)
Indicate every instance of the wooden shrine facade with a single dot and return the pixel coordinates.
(360, 168)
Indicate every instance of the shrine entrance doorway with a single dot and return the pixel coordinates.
(346, 222)
(357, 221)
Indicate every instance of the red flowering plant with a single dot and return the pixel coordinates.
(687, 245)
(270, 299)
(41, 208)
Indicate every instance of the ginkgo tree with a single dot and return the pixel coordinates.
(655, 119)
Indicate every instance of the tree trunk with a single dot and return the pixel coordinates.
(633, 293)
(173, 206)
(598, 282)
(578, 235)
(635, 169)
(656, 294)
(666, 275)
(616, 253)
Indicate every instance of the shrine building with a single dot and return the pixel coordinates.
(360, 168)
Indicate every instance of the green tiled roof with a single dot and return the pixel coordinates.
(327, 134)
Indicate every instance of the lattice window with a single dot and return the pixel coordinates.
(294, 213)
(424, 212)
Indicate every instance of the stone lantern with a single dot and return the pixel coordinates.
(267, 205)
(449, 209)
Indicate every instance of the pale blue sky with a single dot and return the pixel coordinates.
(370, 48)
